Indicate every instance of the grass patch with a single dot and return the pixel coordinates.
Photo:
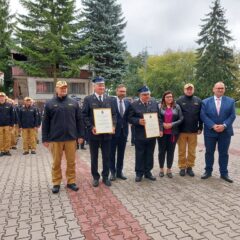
(238, 111)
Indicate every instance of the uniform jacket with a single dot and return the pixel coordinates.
(191, 108)
(27, 117)
(91, 102)
(6, 114)
(122, 122)
(136, 111)
(177, 119)
(62, 120)
(210, 116)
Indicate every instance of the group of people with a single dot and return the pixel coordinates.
(180, 122)
(16, 120)
(65, 124)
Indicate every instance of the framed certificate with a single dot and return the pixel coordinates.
(151, 125)
(103, 120)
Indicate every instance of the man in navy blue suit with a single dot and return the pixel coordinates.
(217, 114)
(119, 139)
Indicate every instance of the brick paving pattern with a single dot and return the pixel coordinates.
(178, 208)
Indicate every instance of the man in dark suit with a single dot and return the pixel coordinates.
(144, 147)
(96, 141)
(119, 139)
(217, 114)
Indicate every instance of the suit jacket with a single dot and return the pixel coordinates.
(136, 111)
(91, 102)
(122, 122)
(210, 116)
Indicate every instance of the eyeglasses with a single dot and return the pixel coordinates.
(168, 96)
(220, 88)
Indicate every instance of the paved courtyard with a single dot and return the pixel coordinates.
(178, 208)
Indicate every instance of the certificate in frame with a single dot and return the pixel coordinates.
(103, 120)
(151, 125)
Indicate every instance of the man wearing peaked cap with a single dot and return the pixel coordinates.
(62, 125)
(6, 124)
(98, 100)
(28, 124)
(144, 147)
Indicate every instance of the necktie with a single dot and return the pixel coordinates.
(218, 105)
(100, 98)
(121, 108)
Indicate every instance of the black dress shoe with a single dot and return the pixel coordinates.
(182, 172)
(150, 177)
(95, 182)
(138, 179)
(112, 177)
(190, 172)
(25, 153)
(1, 154)
(14, 148)
(7, 153)
(206, 175)
(83, 148)
(227, 179)
(73, 187)
(107, 182)
(170, 175)
(33, 152)
(55, 188)
(121, 176)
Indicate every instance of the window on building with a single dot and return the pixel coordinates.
(45, 87)
(77, 88)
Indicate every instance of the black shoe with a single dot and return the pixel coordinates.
(25, 153)
(106, 182)
(138, 179)
(33, 152)
(190, 172)
(112, 177)
(55, 188)
(1, 154)
(227, 179)
(170, 175)
(7, 153)
(73, 187)
(182, 172)
(14, 148)
(150, 177)
(83, 148)
(95, 182)
(206, 175)
(161, 174)
(121, 176)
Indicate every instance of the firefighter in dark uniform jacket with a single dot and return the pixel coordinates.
(6, 124)
(28, 123)
(96, 141)
(144, 147)
(62, 125)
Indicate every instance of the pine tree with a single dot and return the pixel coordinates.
(50, 36)
(215, 61)
(104, 26)
(6, 27)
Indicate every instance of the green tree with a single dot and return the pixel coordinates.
(104, 27)
(6, 27)
(169, 71)
(50, 36)
(215, 61)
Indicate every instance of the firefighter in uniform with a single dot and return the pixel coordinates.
(6, 124)
(62, 125)
(28, 124)
(96, 141)
(144, 147)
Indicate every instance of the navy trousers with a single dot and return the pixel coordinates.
(223, 142)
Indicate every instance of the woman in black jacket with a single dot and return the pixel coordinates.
(170, 119)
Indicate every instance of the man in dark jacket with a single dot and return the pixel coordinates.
(144, 147)
(189, 129)
(103, 140)
(28, 125)
(62, 124)
(6, 124)
(119, 139)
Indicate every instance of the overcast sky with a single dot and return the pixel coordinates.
(159, 25)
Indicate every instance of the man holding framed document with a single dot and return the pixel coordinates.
(99, 116)
(144, 115)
